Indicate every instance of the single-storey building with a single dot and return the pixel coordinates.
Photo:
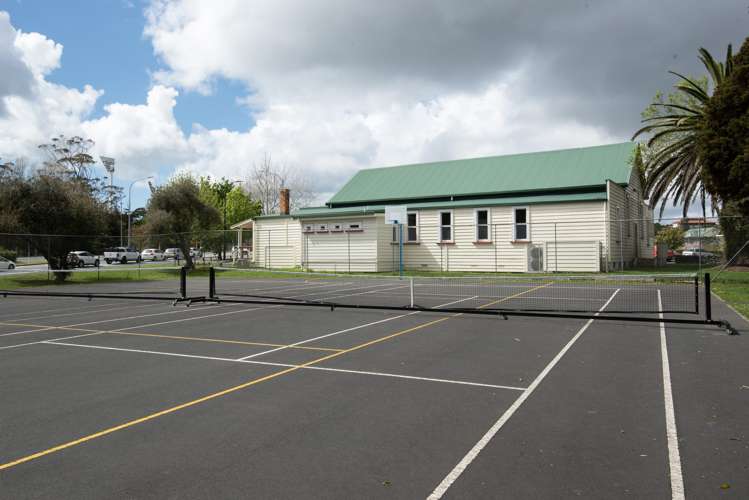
(567, 210)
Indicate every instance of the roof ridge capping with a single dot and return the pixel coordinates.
(521, 172)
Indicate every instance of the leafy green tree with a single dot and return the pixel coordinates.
(232, 203)
(673, 166)
(671, 236)
(178, 209)
(52, 215)
(723, 139)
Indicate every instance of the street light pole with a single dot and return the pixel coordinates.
(129, 200)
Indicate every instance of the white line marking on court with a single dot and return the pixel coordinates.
(674, 458)
(343, 331)
(86, 311)
(48, 340)
(461, 466)
(125, 318)
(285, 365)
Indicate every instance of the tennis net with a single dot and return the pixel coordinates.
(116, 281)
(664, 293)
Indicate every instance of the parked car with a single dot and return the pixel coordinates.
(7, 264)
(196, 253)
(153, 254)
(121, 255)
(173, 253)
(695, 252)
(82, 258)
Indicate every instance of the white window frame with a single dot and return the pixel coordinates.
(488, 225)
(451, 226)
(309, 228)
(415, 226)
(527, 224)
(336, 227)
(322, 228)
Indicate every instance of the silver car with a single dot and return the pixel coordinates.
(6, 264)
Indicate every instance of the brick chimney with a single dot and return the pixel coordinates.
(284, 201)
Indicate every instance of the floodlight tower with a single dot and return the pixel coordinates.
(109, 166)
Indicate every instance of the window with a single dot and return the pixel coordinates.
(446, 226)
(412, 228)
(336, 228)
(354, 227)
(521, 230)
(309, 228)
(322, 228)
(482, 225)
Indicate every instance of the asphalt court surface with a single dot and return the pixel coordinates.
(142, 399)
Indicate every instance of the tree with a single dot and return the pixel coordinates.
(673, 167)
(177, 209)
(723, 139)
(671, 236)
(53, 215)
(232, 202)
(70, 156)
(267, 179)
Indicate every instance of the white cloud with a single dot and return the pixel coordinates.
(40, 54)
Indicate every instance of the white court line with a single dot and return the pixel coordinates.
(342, 331)
(48, 340)
(125, 318)
(674, 458)
(127, 328)
(32, 313)
(461, 466)
(286, 365)
(86, 311)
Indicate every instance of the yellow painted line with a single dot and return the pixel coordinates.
(230, 390)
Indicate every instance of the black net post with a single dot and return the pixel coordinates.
(708, 305)
(697, 294)
(212, 282)
(183, 282)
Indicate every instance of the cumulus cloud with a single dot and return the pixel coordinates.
(337, 86)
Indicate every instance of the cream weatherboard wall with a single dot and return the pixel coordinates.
(570, 235)
(331, 244)
(276, 242)
(566, 237)
(630, 227)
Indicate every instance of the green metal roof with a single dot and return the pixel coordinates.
(542, 171)
(318, 212)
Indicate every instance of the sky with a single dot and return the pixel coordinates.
(327, 87)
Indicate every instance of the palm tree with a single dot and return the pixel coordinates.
(673, 169)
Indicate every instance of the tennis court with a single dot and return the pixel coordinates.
(270, 385)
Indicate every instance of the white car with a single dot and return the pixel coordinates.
(121, 255)
(153, 254)
(697, 252)
(6, 264)
(82, 258)
(173, 253)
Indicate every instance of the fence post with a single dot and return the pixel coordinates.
(211, 282)
(183, 282)
(708, 304)
(621, 244)
(556, 250)
(496, 243)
